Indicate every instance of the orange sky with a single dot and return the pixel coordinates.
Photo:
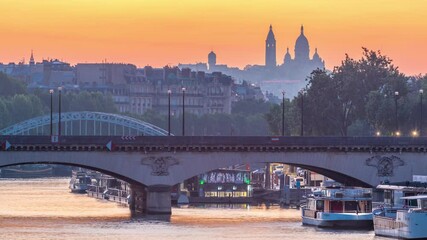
(161, 32)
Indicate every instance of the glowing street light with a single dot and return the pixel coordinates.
(378, 133)
(414, 133)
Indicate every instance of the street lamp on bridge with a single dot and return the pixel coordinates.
(51, 111)
(396, 95)
(283, 113)
(302, 92)
(59, 111)
(421, 112)
(183, 111)
(169, 112)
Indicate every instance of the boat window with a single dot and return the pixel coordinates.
(397, 201)
(368, 206)
(320, 205)
(411, 203)
(351, 206)
(336, 206)
(387, 197)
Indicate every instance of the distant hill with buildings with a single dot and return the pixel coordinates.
(273, 77)
(138, 90)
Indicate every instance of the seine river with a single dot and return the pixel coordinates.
(45, 209)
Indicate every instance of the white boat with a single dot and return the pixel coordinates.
(403, 213)
(339, 208)
(79, 182)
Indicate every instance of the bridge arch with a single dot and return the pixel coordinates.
(345, 179)
(114, 174)
(85, 124)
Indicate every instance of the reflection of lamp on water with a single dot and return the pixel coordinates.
(219, 188)
(234, 188)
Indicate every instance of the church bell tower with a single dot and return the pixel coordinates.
(270, 49)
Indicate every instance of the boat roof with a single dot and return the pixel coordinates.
(341, 199)
(405, 186)
(415, 197)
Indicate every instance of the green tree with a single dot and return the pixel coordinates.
(274, 118)
(4, 114)
(10, 87)
(23, 107)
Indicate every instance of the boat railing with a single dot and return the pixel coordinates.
(117, 195)
(380, 205)
(349, 211)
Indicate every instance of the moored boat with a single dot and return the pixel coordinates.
(403, 213)
(339, 208)
(79, 182)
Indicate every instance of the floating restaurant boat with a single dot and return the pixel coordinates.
(339, 208)
(403, 213)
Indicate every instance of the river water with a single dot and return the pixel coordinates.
(45, 209)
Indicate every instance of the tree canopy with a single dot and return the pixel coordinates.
(363, 96)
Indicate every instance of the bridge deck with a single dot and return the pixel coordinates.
(213, 143)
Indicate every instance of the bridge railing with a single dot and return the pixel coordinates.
(327, 142)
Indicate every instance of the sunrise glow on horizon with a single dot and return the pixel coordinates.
(162, 32)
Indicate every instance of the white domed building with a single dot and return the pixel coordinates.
(301, 65)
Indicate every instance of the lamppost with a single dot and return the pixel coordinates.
(421, 112)
(302, 112)
(283, 113)
(169, 112)
(59, 111)
(51, 111)
(183, 111)
(396, 95)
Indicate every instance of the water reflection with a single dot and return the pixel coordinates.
(45, 209)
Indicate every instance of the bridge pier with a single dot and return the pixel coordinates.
(137, 203)
(159, 200)
(152, 200)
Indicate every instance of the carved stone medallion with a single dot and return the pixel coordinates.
(385, 164)
(159, 165)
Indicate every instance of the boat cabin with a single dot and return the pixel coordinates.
(398, 195)
(420, 200)
(342, 201)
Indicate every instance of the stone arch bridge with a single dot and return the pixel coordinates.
(159, 162)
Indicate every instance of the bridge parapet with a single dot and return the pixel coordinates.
(213, 144)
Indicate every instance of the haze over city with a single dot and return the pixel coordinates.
(213, 119)
(160, 33)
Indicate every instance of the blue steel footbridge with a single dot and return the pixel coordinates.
(85, 124)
